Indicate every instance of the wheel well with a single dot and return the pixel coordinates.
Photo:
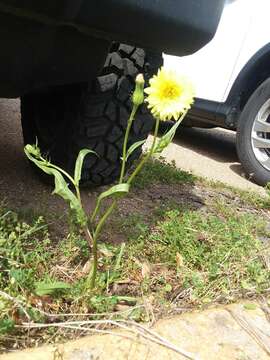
(251, 76)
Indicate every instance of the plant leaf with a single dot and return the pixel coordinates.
(6, 325)
(61, 187)
(79, 164)
(134, 146)
(43, 288)
(166, 139)
(114, 191)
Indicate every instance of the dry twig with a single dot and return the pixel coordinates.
(251, 331)
(130, 326)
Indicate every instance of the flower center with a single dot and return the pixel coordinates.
(170, 91)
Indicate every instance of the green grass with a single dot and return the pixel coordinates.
(209, 255)
(249, 197)
(132, 226)
(23, 247)
(35, 270)
(220, 255)
(24, 257)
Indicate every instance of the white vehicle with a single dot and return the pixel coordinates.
(232, 80)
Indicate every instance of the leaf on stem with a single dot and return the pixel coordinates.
(61, 187)
(166, 139)
(116, 190)
(134, 146)
(79, 164)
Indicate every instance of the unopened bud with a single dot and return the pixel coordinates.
(32, 150)
(140, 79)
(138, 95)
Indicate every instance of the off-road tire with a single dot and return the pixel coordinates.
(92, 115)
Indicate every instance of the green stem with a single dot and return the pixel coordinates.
(112, 206)
(78, 194)
(89, 237)
(124, 152)
(147, 156)
(124, 157)
(90, 241)
(95, 239)
(103, 219)
(94, 269)
(110, 209)
(95, 212)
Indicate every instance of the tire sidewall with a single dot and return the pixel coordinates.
(255, 171)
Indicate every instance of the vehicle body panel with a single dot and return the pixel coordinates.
(177, 26)
(257, 38)
(243, 31)
(51, 43)
(35, 56)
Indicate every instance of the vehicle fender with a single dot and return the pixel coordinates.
(254, 72)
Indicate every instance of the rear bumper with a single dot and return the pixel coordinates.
(47, 43)
(178, 27)
(35, 56)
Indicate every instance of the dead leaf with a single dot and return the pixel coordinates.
(17, 317)
(122, 307)
(145, 267)
(266, 258)
(87, 267)
(103, 249)
(179, 260)
(146, 270)
(137, 261)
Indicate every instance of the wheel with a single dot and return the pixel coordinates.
(66, 119)
(253, 135)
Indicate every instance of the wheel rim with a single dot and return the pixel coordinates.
(260, 135)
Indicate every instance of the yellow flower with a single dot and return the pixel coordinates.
(169, 94)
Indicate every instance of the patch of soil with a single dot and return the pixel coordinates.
(146, 200)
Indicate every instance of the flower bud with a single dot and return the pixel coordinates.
(138, 95)
(32, 150)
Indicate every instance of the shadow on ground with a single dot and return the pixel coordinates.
(209, 142)
(20, 187)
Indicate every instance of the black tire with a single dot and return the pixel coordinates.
(94, 116)
(247, 153)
